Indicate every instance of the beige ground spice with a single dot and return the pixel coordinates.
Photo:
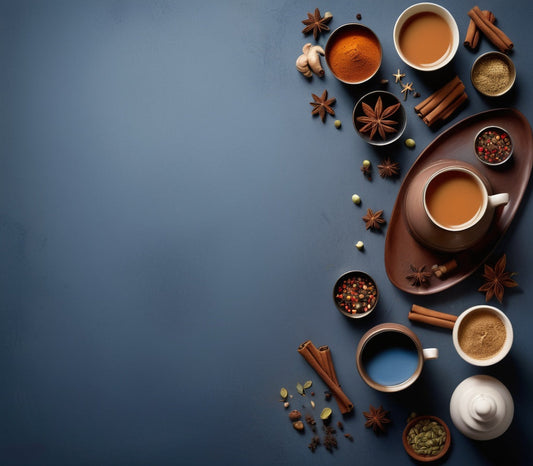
(481, 334)
(491, 75)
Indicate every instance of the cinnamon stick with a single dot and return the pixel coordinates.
(308, 351)
(430, 320)
(431, 313)
(429, 316)
(443, 107)
(472, 33)
(493, 33)
(428, 104)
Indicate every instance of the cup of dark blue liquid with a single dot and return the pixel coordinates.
(390, 357)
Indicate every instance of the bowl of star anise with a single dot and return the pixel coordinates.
(379, 118)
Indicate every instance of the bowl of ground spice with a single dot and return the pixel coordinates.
(353, 53)
(355, 294)
(482, 335)
(426, 438)
(493, 74)
(493, 146)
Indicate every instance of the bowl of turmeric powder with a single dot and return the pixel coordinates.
(353, 53)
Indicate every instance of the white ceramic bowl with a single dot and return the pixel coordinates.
(429, 8)
(506, 345)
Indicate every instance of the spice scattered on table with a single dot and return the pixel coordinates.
(360, 245)
(410, 143)
(373, 220)
(427, 437)
(316, 24)
(387, 168)
(497, 279)
(406, 88)
(398, 76)
(322, 105)
(309, 61)
(356, 294)
(356, 199)
(493, 33)
(377, 418)
(493, 146)
(337, 124)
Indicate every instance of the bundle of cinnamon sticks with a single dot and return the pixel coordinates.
(483, 22)
(431, 317)
(320, 360)
(472, 33)
(440, 105)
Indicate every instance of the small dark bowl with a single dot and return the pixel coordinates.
(399, 116)
(426, 458)
(500, 131)
(357, 314)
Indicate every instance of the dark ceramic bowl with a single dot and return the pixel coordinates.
(426, 458)
(354, 306)
(387, 99)
(488, 161)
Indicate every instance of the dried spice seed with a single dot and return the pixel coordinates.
(373, 220)
(496, 279)
(322, 105)
(284, 393)
(308, 384)
(410, 143)
(295, 415)
(349, 437)
(493, 146)
(376, 418)
(376, 119)
(300, 388)
(427, 437)
(316, 24)
(315, 442)
(298, 425)
(326, 413)
(356, 294)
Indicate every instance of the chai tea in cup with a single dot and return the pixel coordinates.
(426, 39)
(455, 198)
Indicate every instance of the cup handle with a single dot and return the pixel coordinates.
(498, 199)
(430, 353)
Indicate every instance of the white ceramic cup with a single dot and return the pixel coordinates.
(483, 215)
(430, 8)
(503, 350)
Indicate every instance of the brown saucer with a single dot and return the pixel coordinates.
(402, 250)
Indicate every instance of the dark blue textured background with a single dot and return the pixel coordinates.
(172, 221)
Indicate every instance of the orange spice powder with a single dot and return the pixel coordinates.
(354, 56)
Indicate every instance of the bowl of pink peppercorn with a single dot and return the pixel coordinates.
(355, 294)
(493, 146)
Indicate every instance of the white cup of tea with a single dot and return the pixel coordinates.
(456, 200)
(390, 357)
(426, 36)
(482, 335)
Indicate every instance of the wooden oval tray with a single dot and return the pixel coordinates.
(456, 143)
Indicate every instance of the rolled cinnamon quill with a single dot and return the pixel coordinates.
(309, 352)
(431, 317)
(442, 103)
(472, 34)
(493, 33)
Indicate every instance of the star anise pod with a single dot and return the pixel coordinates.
(376, 418)
(322, 105)
(388, 168)
(316, 23)
(375, 119)
(496, 279)
(373, 220)
(418, 276)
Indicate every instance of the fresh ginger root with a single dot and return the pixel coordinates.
(309, 62)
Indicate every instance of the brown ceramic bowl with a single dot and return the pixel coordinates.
(387, 99)
(341, 303)
(342, 64)
(488, 161)
(426, 458)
